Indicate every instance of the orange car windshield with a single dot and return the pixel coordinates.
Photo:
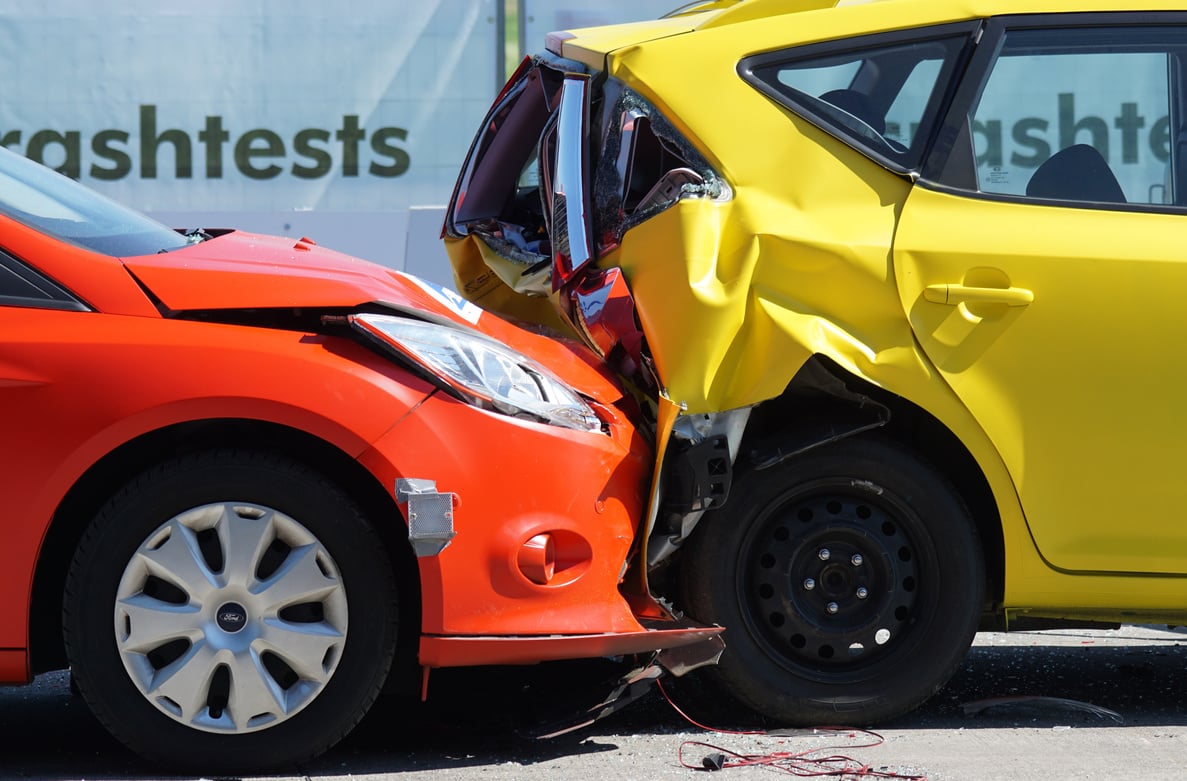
(49, 202)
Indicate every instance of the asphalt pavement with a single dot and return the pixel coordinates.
(1069, 704)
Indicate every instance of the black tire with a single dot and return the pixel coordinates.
(897, 581)
(279, 596)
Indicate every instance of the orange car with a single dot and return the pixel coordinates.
(246, 477)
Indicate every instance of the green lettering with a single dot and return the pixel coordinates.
(1129, 122)
(398, 156)
(303, 146)
(1025, 138)
(1160, 140)
(69, 141)
(350, 135)
(1070, 127)
(213, 136)
(101, 145)
(10, 139)
(991, 150)
(150, 142)
(246, 150)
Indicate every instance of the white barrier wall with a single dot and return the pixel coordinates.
(287, 116)
(290, 117)
(537, 18)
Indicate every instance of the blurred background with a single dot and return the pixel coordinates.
(345, 123)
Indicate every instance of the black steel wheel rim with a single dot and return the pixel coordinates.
(829, 578)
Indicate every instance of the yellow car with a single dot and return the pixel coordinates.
(899, 288)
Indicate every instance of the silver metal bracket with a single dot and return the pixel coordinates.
(430, 515)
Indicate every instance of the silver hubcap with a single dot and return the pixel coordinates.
(230, 617)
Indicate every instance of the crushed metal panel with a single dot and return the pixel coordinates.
(566, 193)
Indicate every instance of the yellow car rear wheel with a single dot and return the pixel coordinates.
(849, 580)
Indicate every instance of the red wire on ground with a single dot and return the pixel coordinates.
(812, 763)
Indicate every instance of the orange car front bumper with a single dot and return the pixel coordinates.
(544, 521)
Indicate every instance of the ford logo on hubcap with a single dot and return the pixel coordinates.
(231, 617)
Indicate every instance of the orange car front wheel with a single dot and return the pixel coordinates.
(230, 611)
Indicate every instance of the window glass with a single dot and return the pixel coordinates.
(499, 175)
(22, 286)
(904, 114)
(13, 286)
(816, 79)
(880, 98)
(1079, 115)
(60, 207)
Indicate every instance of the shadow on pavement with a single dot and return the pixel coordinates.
(479, 717)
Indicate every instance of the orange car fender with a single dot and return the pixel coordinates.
(333, 389)
(99, 280)
(516, 481)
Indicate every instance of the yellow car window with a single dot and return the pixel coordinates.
(1075, 115)
(880, 97)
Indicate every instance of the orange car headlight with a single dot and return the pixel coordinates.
(481, 371)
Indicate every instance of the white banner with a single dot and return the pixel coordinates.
(267, 108)
(537, 18)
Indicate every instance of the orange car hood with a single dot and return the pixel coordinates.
(249, 271)
(245, 270)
